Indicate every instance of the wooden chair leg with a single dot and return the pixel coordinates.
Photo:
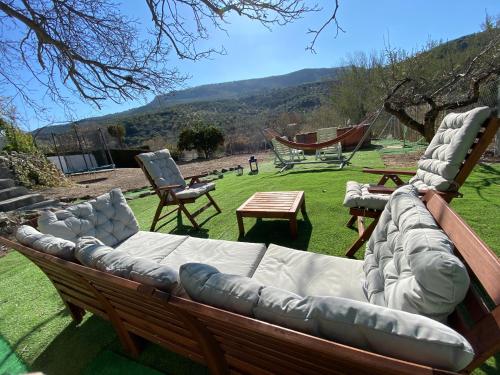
(351, 221)
(158, 212)
(189, 216)
(362, 239)
(213, 202)
(75, 311)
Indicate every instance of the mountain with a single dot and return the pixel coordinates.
(244, 88)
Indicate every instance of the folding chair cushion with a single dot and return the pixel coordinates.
(162, 168)
(409, 263)
(443, 157)
(307, 274)
(360, 324)
(194, 191)
(357, 195)
(107, 217)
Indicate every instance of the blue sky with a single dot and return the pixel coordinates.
(253, 51)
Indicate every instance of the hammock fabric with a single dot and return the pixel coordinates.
(273, 134)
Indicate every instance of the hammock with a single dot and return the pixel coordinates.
(357, 129)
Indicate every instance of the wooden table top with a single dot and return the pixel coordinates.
(275, 201)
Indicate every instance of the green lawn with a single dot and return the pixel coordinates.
(36, 333)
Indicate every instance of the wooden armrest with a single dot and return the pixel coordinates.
(196, 176)
(169, 187)
(379, 189)
(388, 171)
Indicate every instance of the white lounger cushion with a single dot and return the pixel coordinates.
(409, 262)
(93, 253)
(194, 191)
(107, 217)
(237, 258)
(360, 324)
(151, 245)
(305, 273)
(46, 243)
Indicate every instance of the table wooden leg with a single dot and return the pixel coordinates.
(240, 224)
(293, 227)
(303, 207)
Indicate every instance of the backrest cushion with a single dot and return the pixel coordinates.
(206, 284)
(409, 262)
(107, 218)
(363, 325)
(89, 250)
(46, 243)
(162, 168)
(443, 157)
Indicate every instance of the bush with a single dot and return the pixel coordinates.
(203, 138)
(33, 169)
(16, 139)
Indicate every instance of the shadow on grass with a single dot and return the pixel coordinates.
(278, 232)
(75, 347)
(492, 178)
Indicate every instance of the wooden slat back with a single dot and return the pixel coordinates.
(483, 139)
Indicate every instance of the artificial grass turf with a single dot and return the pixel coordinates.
(38, 329)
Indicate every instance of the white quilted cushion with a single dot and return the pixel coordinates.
(442, 159)
(357, 195)
(409, 261)
(194, 191)
(107, 218)
(162, 168)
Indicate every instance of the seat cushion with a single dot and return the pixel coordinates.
(151, 245)
(308, 274)
(409, 262)
(195, 190)
(162, 168)
(237, 258)
(360, 324)
(443, 157)
(46, 243)
(357, 195)
(107, 218)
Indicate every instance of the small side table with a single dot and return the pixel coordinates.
(273, 205)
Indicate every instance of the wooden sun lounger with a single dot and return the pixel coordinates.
(230, 343)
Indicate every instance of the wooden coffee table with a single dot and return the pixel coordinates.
(273, 205)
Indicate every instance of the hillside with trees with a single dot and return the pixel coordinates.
(443, 73)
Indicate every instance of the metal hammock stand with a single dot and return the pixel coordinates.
(340, 161)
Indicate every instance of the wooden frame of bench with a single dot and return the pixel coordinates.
(169, 198)
(230, 343)
(487, 132)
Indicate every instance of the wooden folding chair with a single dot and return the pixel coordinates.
(171, 187)
(486, 133)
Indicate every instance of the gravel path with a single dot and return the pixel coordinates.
(89, 186)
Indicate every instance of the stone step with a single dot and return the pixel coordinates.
(5, 172)
(23, 200)
(12, 192)
(49, 203)
(6, 183)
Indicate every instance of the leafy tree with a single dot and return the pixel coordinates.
(203, 138)
(97, 52)
(16, 139)
(117, 131)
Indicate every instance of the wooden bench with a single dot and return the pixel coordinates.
(231, 343)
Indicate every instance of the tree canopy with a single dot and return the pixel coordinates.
(204, 138)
